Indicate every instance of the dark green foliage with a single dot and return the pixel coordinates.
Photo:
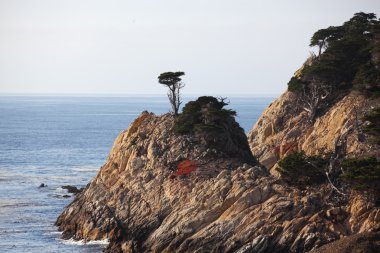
(339, 62)
(172, 80)
(300, 169)
(348, 59)
(207, 128)
(366, 79)
(295, 84)
(204, 114)
(214, 126)
(322, 37)
(362, 174)
(373, 128)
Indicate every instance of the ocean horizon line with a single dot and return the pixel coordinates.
(189, 95)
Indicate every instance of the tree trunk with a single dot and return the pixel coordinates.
(313, 111)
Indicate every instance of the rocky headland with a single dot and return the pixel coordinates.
(141, 203)
(197, 183)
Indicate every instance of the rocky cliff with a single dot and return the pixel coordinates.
(162, 192)
(283, 128)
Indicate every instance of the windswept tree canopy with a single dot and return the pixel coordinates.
(350, 60)
(170, 78)
(358, 27)
(322, 37)
(173, 81)
(349, 56)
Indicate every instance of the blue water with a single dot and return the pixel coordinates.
(59, 141)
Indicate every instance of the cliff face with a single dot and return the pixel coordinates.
(283, 129)
(162, 192)
(192, 184)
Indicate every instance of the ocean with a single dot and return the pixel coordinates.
(63, 140)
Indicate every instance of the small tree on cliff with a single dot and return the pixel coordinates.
(316, 95)
(323, 37)
(173, 81)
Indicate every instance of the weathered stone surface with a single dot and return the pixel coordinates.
(226, 205)
(291, 131)
(359, 243)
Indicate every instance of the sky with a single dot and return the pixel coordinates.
(225, 47)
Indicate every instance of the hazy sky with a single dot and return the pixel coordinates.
(120, 47)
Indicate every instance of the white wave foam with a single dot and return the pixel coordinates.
(82, 242)
(54, 233)
(85, 169)
(60, 190)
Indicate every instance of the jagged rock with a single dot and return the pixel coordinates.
(363, 242)
(72, 189)
(282, 129)
(228, 204)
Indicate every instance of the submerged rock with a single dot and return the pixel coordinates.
(72, 189)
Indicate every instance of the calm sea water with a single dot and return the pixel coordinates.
(63, 141)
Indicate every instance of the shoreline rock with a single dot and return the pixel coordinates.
(72, 189)
(225, 205)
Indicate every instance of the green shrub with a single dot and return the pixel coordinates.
(295, 84)
(373, 128)
(300, 169)
(367, 80)
(362, 174)
(347, 61)
(207, 128)
(214, 127)
(206, 114)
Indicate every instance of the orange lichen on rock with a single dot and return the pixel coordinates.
(186, 167)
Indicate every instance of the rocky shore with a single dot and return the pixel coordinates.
(307, 178)
(142, 202)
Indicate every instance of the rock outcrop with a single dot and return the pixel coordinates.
(192, 184)
(283, 128)
(142, 202)
(364, 242)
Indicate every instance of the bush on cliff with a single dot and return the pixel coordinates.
(299, 169)
(373, 125)
(348, 52)
(206, 114)
(350, 60)
(214, 126)
(295, 84)
(363, 174)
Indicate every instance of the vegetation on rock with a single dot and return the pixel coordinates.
(295, 84)
(347, 59)
(227, 204)
(362, 173)
(300, 169)
(373, 126)
(204, 114)
(357, 173)
(172, 80)
(216, 128)
(348, 51)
